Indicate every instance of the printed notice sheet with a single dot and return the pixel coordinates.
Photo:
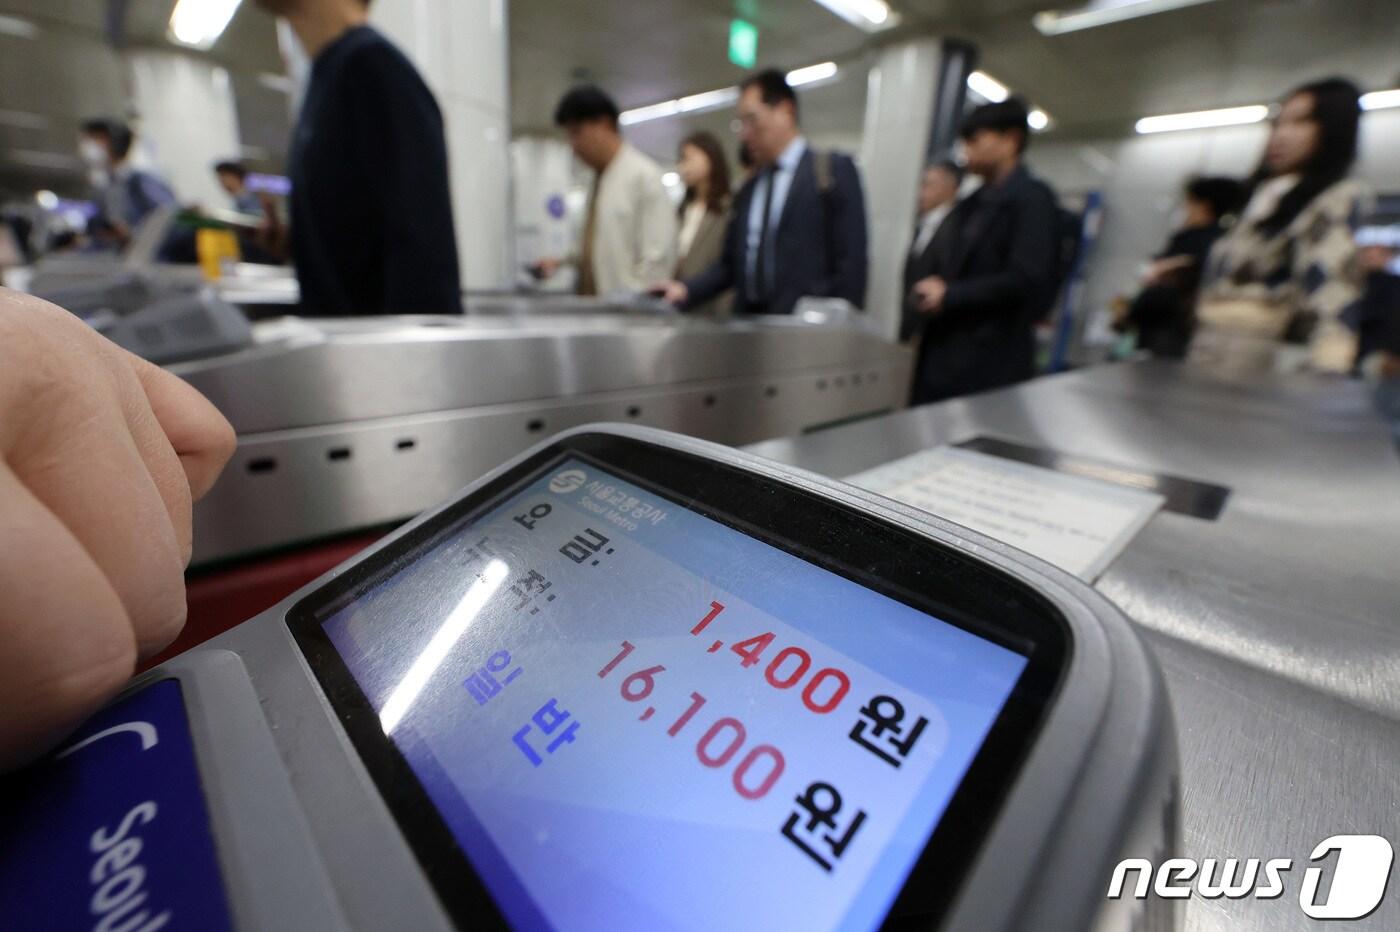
(1079, 524)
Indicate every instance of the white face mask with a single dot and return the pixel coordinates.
(93, 153)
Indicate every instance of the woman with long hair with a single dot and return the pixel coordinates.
(704, 213)
(1287, 269)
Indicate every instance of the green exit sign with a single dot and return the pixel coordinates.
(743, 43)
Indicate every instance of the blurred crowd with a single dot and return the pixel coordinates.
(1283, 266)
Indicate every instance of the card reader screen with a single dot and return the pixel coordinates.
(629, 714)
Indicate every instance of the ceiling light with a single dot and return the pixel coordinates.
(1203, 119)
(46, 199)
(811, 74)
(671, 179)
(1039, 120)
(199, 23)
(1103, 12)
(1380, 100)
(54, 161)
(23, 119)
(19, 28)
(723, 97)
(709, 100)
(870, 15)
(652, 112)
(979, 82)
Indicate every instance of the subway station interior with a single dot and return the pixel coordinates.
(699, 465)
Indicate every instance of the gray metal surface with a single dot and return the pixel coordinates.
(1278, 626)
(367, 421)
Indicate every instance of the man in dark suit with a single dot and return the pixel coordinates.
(932, 241)
(1000, 274)
(798, 226)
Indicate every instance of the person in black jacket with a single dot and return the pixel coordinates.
(938, 195)
(999, 275)
(798, 227)
(371, 224)
(1164, 312)
(1376, 318)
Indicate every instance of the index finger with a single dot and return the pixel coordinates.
(201, 436)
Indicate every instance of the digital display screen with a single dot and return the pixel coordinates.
(628, 713)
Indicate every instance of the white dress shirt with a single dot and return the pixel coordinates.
(928, 227)
(781, 174)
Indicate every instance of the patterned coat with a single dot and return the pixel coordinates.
(1309, 268)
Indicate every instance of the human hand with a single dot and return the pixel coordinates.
(101, 457)
(672, 292)
(930, 293)
(1374, 258)
(1390, 366)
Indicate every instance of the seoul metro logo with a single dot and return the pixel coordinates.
(1359, 878)
(570, 480)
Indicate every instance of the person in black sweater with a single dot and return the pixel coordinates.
(371, 214)
(1163, 313)
(999, 273)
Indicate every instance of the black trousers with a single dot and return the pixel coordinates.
(965, 362)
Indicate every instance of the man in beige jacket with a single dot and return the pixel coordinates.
(629, 229)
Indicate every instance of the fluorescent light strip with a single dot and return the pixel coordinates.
(57, 161)
(19, 28)
(1202, 119)
(870, 15)
(709, 100)
(440, 645)
(199, 23)
(812, 74)
(1103, 12)
(1380, 100)
(989, 87)
(23, 119)
(724, 96)
(653, 112)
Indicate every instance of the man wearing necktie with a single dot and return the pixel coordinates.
(798, 227)
(629, 227)
(932, 241)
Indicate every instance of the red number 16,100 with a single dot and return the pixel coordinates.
(713, 750)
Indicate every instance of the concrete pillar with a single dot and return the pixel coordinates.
(544, 212)
(461, 48)
(187, 121)
(914, 99)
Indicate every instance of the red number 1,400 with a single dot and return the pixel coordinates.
(788, 668)
(777, 675)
